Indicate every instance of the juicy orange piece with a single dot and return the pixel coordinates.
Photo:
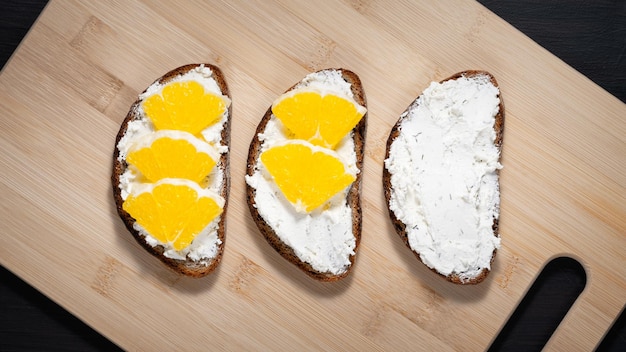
(174, 211)
(173, 154)
(321, 119)
(185, 106)
(307, 175)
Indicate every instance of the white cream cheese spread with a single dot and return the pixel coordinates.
(322, 238)
(205, 245)
(444, 181)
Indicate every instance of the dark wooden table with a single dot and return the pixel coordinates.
(589, 36)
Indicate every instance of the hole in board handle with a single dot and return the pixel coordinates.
(615, 338)
(543, 307)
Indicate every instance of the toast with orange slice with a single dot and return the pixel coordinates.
(304, 173)
(441, 175)
(171, 174)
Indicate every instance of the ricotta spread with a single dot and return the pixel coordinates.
(323, 238)
(444, 181)
(206, 244)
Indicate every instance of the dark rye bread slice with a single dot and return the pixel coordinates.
(399, 226)
(186, 267)
(353, 195)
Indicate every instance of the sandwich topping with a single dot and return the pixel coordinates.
(172, 154)
(184, 106)
(171, 185)
(444, 181)
(306, 175)
(173, 210)
(306, 166)
(317, 116)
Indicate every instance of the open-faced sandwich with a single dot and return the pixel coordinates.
(171, 168)
(441, 175)
(304, 173)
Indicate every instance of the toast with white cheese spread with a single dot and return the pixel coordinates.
(198, 144)
(320, 240)
(441, 175)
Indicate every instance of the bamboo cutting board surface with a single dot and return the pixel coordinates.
(68, 87)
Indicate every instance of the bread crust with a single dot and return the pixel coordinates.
(353, 195)
(186, 267)
(399, 226)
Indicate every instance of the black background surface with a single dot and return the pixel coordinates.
(590, 36)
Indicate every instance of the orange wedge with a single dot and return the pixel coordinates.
(321, 119)
(173, 154)
(185, 106)
(307, 175)
(174, 211)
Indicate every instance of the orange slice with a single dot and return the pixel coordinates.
(174, 211)
(185, 106)
(321, 119)
(307, 175)
(172, 154)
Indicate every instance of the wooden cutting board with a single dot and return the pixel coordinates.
(66, 90)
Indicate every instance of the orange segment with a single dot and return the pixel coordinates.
(173, 154)
(174, 211)
(185, 106)
(307, 175)
(321, 119)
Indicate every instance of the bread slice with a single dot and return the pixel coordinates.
(476, 273)
(200, 266)
(353, 201)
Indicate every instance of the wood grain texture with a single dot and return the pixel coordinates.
(69, 85)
